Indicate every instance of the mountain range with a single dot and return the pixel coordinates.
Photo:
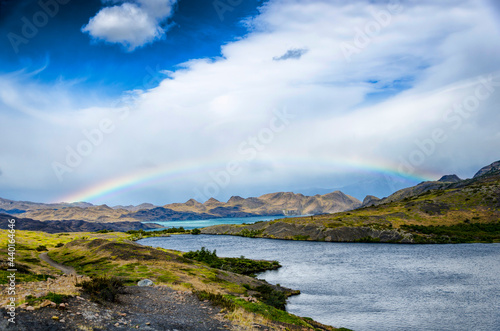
(273, 204)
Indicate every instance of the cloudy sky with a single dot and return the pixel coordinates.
(123, 102)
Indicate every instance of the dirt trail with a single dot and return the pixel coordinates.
(65, 269)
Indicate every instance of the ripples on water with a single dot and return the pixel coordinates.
(375, 286)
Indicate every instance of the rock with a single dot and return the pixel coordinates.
(117, 324)
(79, 297)
(46, 303)
(145, 282)
(122, 314)
(55, 318)
(30, 308)
(148, 323)
(23, 306)
(62, 306)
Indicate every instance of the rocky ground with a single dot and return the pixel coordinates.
(143, 308)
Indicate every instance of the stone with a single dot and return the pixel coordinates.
(80, 298)
(46, 303)
(55, 318)
(30, 308)
(62, 306)
(145, 282)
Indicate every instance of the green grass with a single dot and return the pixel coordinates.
(54, 297)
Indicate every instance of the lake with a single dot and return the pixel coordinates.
(193, 224)
(374, 286)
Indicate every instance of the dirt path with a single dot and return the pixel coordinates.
(157, 308)
(65, 269)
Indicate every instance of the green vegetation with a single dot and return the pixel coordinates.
(41, 248)
(23, 274)
(195, 231)
(237, 265)
(102, 288)
(216, 299)
(458, 233)
(250, 233)
(54, 297)
(271, 297)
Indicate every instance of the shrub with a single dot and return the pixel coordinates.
(216, 299)
(195, 231)
(102, 288)
(59, 245)
(271, 297)
(41, 248)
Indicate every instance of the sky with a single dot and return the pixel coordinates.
(160, 101)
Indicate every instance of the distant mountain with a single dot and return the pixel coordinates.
(9, 205)
(101, 213)
(494, 167)
(280, 203)
(423, 187)
(136, 208)
(376, 185)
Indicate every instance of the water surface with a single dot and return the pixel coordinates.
(375, 286)
(193, 224)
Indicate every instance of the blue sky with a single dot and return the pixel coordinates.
(68, 54)
(123, 102)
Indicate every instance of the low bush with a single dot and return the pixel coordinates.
(102, 288)
(41, 248)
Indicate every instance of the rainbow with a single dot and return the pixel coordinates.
(125, 183)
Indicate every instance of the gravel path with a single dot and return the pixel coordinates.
(143, 308)
(65, 269)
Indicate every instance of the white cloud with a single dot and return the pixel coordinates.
(203, 112)
(132, 24)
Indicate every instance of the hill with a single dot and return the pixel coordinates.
(448, 210)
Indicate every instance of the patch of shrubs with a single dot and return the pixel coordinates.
(54, 297)
(216, 299)
(104, 231)
(271, 297)
(41, 248)
(158, 233)
(458, 233)
(239, 265)
(102, 288)
(196, 231)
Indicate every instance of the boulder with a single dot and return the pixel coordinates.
(145, 282)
